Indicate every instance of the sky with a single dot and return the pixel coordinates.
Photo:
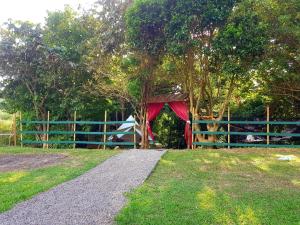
(35, 10)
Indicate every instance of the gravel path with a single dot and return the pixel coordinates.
(93, 198)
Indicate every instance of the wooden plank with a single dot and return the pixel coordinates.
(193, 117)
(8, 134)
(245, 145)
(248, 122)
(21, 130)
(74, 130)
(79, 142)
(79, 132)
(47, 127)
(249, 133)
(15, 129)
(268, 125)
(105, 129)
(228, 127)
(78, 122)
(194, 122)
(134, 130)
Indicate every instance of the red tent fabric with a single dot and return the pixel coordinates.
(181, 110)
(153, 110)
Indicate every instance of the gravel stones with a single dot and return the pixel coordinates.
(91, 199)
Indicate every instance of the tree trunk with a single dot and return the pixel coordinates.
(145, 141)
(148, 67)
(212, 128)
(123, 110)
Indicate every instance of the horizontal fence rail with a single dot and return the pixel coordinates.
(8, 134)
(249, 143)
(247, 122)
(74, 132)
(247, 133)
(220, 144)
(78, 142)
(78, 122)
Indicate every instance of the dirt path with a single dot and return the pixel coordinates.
(11, 162)
(93, 198)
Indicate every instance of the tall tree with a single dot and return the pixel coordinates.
(145, 35)
(279, 71)
(108, 53)
(30, 69)
(212, 46)
(70, 33)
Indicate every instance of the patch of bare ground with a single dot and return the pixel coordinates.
(14, 162)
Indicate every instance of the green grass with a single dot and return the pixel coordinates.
(218, 187)
(5, 122)
(5, 127)
(17, 186)
(5, 116)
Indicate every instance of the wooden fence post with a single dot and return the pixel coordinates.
(134, 130)
(105, 128)
(15, 129)
(193, 118)
(268, 125)
(47, 130)
(74, 130)
(21, 130)
(228, 127)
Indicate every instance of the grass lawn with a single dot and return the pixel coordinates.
(5, 122)
(19, 185)
(5, 127)
(218, 187)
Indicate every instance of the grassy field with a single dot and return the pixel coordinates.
(5, 127)
(17, 186)
(5, 121)
(218, 187)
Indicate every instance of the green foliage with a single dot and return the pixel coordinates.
(46, 67)
(111, 15)
(145, 25)
(31, 68)
(134, 88)
(252, 108)
(279, 71)
(208, 45)
(188, 21)
(169, 129)
(242, 40)
(71, 35)
(119, 52)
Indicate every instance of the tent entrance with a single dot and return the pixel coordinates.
(178, 104)
(168, 130)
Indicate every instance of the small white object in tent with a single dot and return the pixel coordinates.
(128, 127)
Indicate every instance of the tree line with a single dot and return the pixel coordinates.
(114, 56)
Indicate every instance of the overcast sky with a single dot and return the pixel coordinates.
(35, 10)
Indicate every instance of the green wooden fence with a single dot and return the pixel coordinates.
(268, 142)
(102, 135)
